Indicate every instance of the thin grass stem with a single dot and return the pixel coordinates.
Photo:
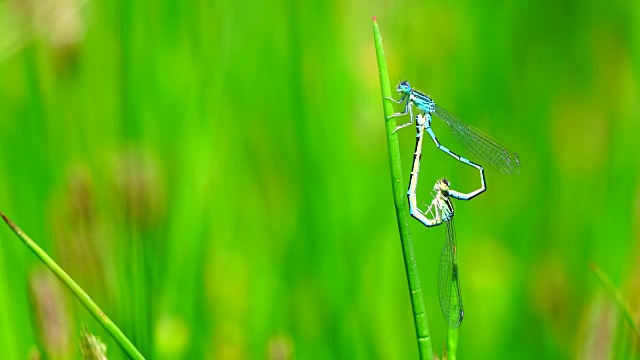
(425, 347)
(452, 343)
(100, 316)
(626, 309)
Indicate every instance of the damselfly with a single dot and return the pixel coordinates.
(488, 150)
(441, 211)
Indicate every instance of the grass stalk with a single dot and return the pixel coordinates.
(452, 343)
(7, 332)
(100, 316)
(626, 309)
(425, 347)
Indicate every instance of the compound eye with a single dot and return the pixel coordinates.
(443, 184)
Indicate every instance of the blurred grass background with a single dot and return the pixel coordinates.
(215, 175)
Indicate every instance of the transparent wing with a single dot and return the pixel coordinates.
(486, 149)
(448, 282)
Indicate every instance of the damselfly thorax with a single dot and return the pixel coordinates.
(441, 208)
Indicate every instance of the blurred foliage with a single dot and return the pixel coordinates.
(214, 174)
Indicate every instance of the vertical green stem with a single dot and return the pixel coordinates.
(452, 343)
(399, 196)
(111, 328)
(8, 334)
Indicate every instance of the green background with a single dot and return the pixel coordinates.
(215, 175)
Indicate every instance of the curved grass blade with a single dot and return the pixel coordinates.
(626, 309)
(448, 281)
(88, 303)
(486, 149)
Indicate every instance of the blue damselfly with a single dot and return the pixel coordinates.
(488, 150)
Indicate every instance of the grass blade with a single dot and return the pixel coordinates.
(400, 200)
(626, 309)
(452, 343)
(111, 328)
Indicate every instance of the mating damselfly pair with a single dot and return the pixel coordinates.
(481, 146)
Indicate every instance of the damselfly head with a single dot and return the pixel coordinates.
(441, 185)
(404, 87)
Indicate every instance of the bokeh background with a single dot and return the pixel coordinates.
(215, 175)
